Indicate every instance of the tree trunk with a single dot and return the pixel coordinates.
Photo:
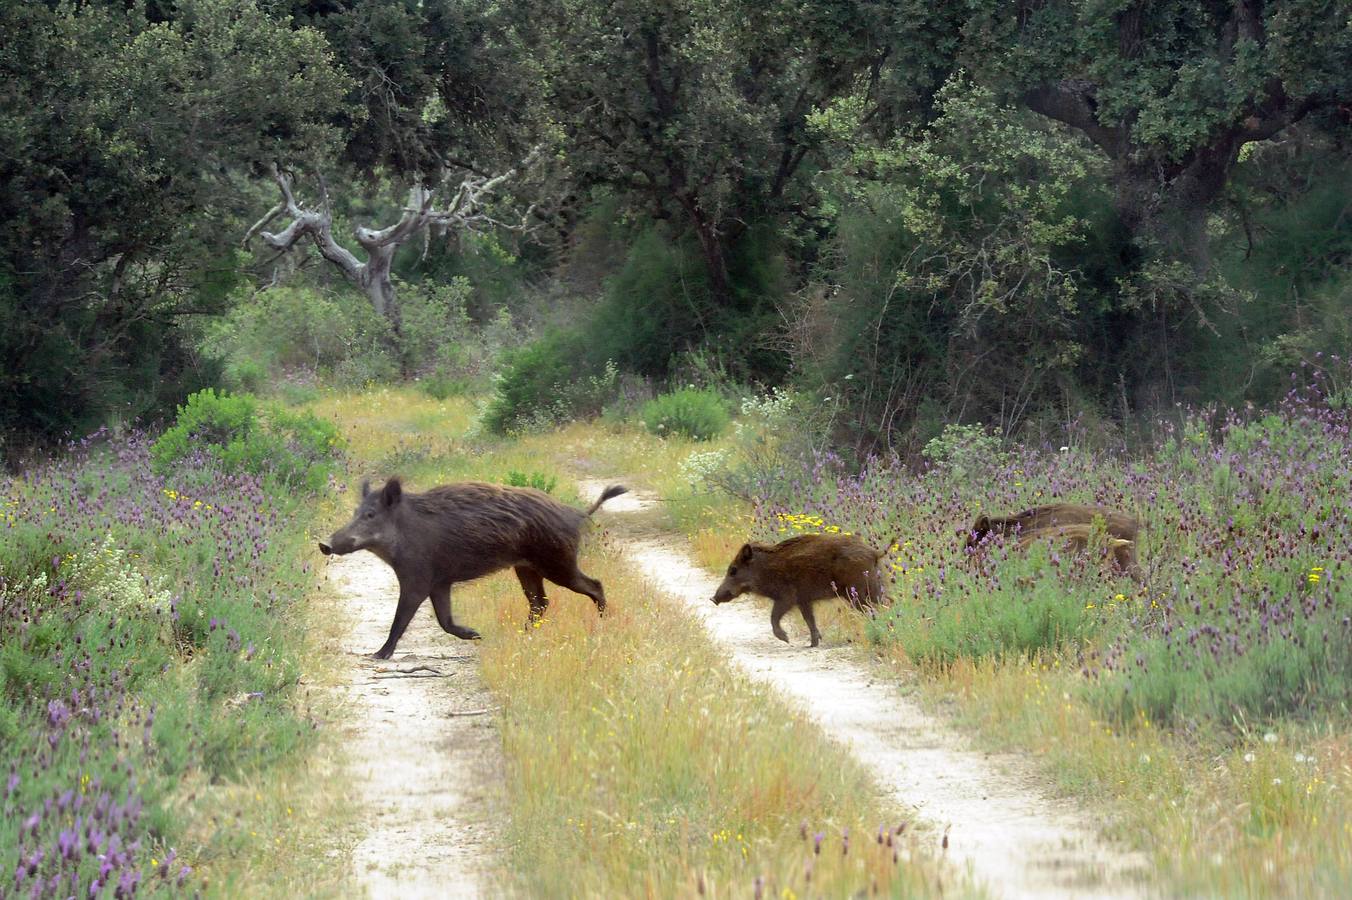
(373, 277)
(1170, 206)
(711, 248)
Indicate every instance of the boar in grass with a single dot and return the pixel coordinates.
(460, 532)
(802, 570)
(1077, 539)
(1120, 528)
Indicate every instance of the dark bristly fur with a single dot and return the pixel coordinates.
(1070, 522)
(1076, 538)
(802, 570)
(460, 532)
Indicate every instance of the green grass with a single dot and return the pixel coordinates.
(153, 635)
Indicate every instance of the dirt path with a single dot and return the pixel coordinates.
(423, 752)
(1001, 826)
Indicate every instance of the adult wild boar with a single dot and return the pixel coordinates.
(802, 570)
(460, 532)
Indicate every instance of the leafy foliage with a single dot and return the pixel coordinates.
(951, 251)
(538, 480)
(690, 412)
(229, 431)
(129, 133)
(550, 381)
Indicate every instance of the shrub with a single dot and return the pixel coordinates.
(654, 305)
(433, 323)
(439, 386)
(697, 414)
(537, 480)
(548, 382)
(231, 431)
(965, 450)
(290, 328)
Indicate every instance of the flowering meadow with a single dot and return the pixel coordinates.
(148, 635)
(1243, 606)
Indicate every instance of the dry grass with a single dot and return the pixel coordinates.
(639, 763)
(1264, 815)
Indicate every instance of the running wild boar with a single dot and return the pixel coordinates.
(802, 570)
(460, 532)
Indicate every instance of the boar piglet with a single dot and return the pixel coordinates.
(1076, 538)
(802, 570)
(460, 532)
(1074, 519)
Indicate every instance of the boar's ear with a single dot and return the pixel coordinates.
(365, 487)
(744, 555)
(392, 491)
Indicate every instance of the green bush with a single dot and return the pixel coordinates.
(537, 480)
(653, 306)
(965, 450)
(550, 381)
(231, 430)
(439, 386)
(433, 323)
(697, 414)
(287, 328)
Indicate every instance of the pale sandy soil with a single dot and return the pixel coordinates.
(422, 749)
(1002, 826)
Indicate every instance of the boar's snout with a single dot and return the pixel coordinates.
(338, 545)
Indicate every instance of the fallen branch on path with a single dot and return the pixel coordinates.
(414, 672)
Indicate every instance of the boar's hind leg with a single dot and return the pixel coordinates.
(409, 601)
(533, 584)
(441, 603)
(571, 577)
(776, 613)
(805, 607)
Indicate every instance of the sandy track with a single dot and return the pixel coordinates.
(422, 749)
(1002, 828)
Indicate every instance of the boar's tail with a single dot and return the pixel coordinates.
(613, 491)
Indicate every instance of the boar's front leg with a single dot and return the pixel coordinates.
(776, 613)
(441, 602)
(409, 601)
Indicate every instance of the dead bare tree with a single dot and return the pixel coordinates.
(466, 210)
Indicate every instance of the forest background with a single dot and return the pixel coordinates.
(1032, 216)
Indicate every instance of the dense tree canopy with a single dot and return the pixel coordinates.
(696, 109)
(977, 211)
(127, 142)
(1171, 91)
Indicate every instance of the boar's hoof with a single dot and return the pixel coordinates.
(382, 653)
(325, 548)
(782, 636)
(465, 634)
